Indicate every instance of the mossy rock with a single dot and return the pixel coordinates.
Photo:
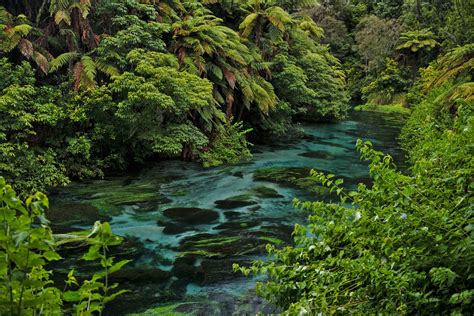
(165, 310)
(111, 196)
(218, 270)
(171, 228)
(281, 175)
(74, 213)
(184, 268)
(237, 226)
(191, 215)
(318, 154)
(267, 193)
(293, 177)
(140, 275)
(222, 246)
(232, 215)
(235, 202)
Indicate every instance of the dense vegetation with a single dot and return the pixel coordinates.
(405, 243)
(27, 245)
(90, 87)
(95, 86)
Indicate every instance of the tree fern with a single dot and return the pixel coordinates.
(62, 60)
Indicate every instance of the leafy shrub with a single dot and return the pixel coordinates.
(27, 244)
(404, 244)
(230, 146)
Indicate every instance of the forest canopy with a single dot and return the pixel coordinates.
(93, 86)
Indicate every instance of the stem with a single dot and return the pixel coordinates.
(106, 284)
(9, 266)
(40, 12)
(24, 275)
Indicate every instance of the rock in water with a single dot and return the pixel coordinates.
(191, 215)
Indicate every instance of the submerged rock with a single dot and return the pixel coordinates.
(286, 176)
(191, 215)
(267, 193)
(319, 154)
(112, 195)
(293, 177)
(238, 174)
(146, 275)
(229, 243)
(74, 213)
(171, 228)
(235, 202)
(237, 225)
(232, 215)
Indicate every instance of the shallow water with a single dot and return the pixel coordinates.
(182, 263)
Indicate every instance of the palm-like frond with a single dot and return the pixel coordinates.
(455, 63)
(62, 60)
(11, 36)
(106, 68)
(417, 40)
(89, 70)
(247, 24)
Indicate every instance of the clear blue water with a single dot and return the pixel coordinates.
(172, 269)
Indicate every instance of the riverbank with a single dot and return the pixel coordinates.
(187, 225)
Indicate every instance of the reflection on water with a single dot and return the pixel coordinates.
(186, 225)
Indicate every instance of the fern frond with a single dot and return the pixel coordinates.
(62, 60)
(89, 69)
(107, 68)
(247, 24)
(62, 16)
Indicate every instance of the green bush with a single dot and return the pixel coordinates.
(27, 244)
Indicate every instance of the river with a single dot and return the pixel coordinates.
(185, 225)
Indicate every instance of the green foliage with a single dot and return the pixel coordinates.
(390, 252)
(417, 40)
(24, 250)
(27, 244)
(311, 85)
(385, 86)
(122, 82)
(401, 245)
(375, 40)
(92, 295)
(230, 146)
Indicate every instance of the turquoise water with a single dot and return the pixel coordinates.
(183, 243)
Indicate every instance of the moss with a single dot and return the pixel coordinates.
(281, 175)
(180, 193)
(266, 193)
(387, 108)
(191, 215)
(165, 310)
(73, 213)
(235, 202)
(216, 241)
(319, 154)
(110, 196)
(296, 177)
(221, 246)
(272, 240)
